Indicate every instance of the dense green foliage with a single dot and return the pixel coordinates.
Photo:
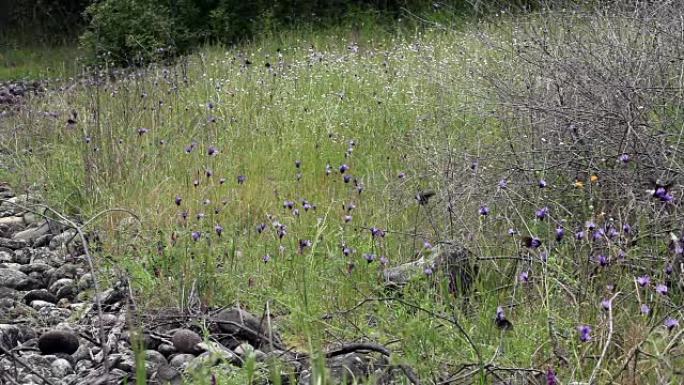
(128, 32)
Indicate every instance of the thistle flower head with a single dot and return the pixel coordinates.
(584, 333)
(671, 323)
(542, 212)
(661, 289)
(643, 280)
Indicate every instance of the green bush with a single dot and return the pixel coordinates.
(133, 32)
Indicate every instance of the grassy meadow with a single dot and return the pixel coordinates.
(255, 175)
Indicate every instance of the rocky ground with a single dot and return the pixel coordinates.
(56, 328)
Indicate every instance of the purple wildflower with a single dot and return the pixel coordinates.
(369, 257)
(668, 269)
(427, 245)
(212, 151)
(196, 235)
(584, 333)
(500, 313)
(661, 289)
(590, 225)
(384, 261)
(218, 229)
(377, 232)
(260, 228)
(560, 233)
(222, 180)
(602, 260)
(626, 228)
(288, 205)
(483, 210)
(350, 207)
(184, 215)
(401, 175)
(542, 212)
(598, 234)
(241, 179)
(645, 310)
(606, 304)
(535, 242)
(512, 231)
(542, 183)
(178, 200)
(644, 280)
(503, 184)
(142, 131)
(347, 218)
(343, 168)
(266, 258)
(624, 158)
(671, 323)
(428, 271)
(298, 163)
(346, 178)
(580, 235)
(304, 243)
(524, 277)
(200, 216)
(208, 173)
(551, 377)
(347, 251)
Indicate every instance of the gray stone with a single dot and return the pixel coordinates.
(12, 221)
(83, 365)
(185, 341)
(166, 349)
(180, 361)
(215, 354)
(67, 270)
(23, 256)
(67, 292)
(68, 237)
(13, 244)
(85, 282)
(39, 294)
(31, 234)
(39, 268)
(168, 375)
(9, 336)
(242, 325)
(6, 257)
(12, 278)
(154, 360)
(43, 240)
(60, 283)
(46, 256)
(61, 367)
(38, 304)
(58, 341)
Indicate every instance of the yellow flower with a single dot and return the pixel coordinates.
(594, 178)
(579, 184)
